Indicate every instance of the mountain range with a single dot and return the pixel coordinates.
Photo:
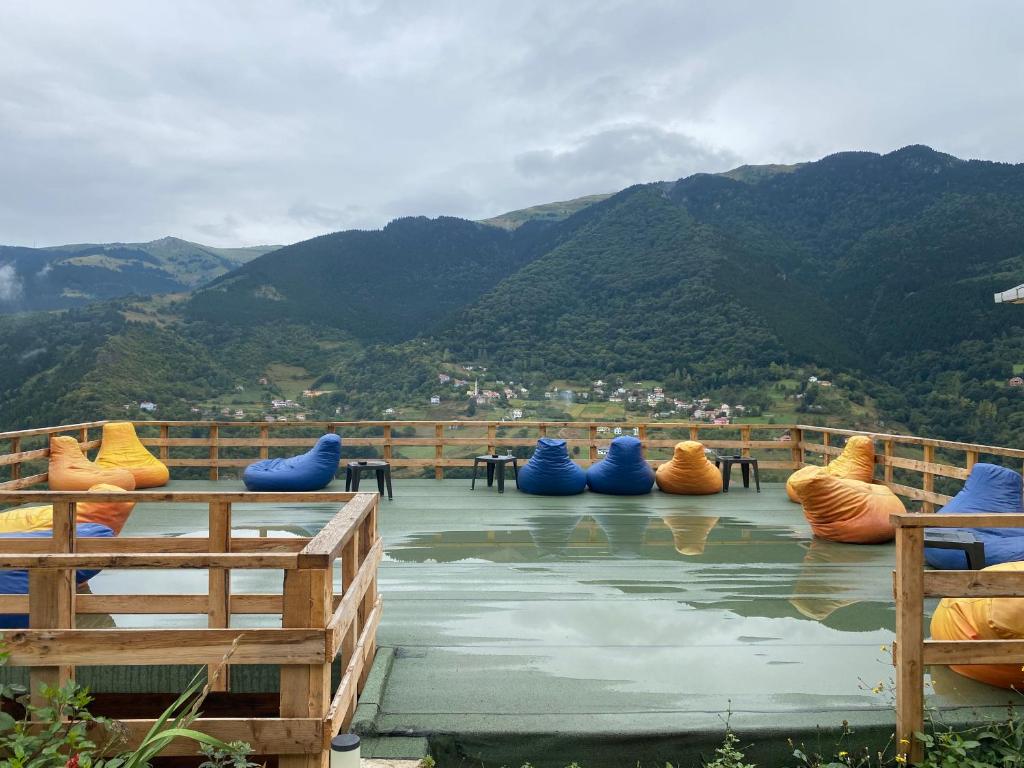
(65, 276)
(877, 268)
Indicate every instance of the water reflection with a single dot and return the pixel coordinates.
(690, 532)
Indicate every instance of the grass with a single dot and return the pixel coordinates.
(290, 380)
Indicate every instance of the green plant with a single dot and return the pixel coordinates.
(58, 733)
(729, 754)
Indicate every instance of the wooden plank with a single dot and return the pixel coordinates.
(492, 438)
(971, 458)
(333, 537)
(201, 497)
(22, 482)
(305, 689)
(266, 736)
(887, 465)
(283, 560)
(15, 449)
(218, 613)
(340, 621)
(388, 445)
(908, 651)
(593, 444)
(343, 704)
(974, 652)
(50, 647)
(152, 604)
(141, 544)
(796, 440)
(973, 584)
(993, 450)
(164, 433)
(22, 433)
(918, 494)
(942, 470)
(264, 442)
(967, 520)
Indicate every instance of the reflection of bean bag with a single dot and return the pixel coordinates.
(689, 471)
(70, 470)
(847, 510)
(550, 471)
(311, 471)
(821, 590)
(111, 514)
(16, 582)
(690, 532)
(983, 618)
(623, 471)
(856, 462)
(989, 488)
(120, 448)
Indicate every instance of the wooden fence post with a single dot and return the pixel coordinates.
(694, 432)
(52, 600)
(492, 435)
(928, 481)
(593, 442)
(826, 441)
(214, 452)
(971, 460)
(908, 650)
(350, 558)
(796, 439)
(306, 688)
(218, 610)
(745, 439)
(386, 452)
(164, 434)
(264, 439)
(889, 449)
(438, 451)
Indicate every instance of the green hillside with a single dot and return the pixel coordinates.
(874, 272)
(547, 212)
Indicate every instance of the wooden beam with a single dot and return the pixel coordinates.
(973, 584)
(146, 647)
(908, 648)
(218, 613)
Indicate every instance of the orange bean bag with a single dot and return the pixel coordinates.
(689, 472)
(120, 448)
(851, 511)
(690, 532)
(984, 618)
(70, 470)
(856, 462)
(111, 514)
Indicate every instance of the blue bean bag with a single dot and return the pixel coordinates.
(623, 471)
(16, 582)
(311, 471)
(989, 488)
(550, 471)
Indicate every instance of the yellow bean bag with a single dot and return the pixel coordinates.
(689, 471)
(818, 591)
(70, 470)
(984, 618)
(111, 514)
(856, 462)
(847, 510)
(120, 448)
(690, 532)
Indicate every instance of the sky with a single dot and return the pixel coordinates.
(243, 123)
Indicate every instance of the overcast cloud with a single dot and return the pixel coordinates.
(269, 122)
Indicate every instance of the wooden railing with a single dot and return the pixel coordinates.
(911, 652)
(315, 623)
(417, 445)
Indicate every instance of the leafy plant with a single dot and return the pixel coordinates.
(57, 733)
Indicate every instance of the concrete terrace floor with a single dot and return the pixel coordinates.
(602, 628)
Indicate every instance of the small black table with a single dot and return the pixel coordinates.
(356, 468)
(965, 541)
(745, 462)
(493, 461)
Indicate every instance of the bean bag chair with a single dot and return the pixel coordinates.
(120, 448)
(989, 488)
(689, 471)
(16, 582)
(690, 532)
(850, 511)
(110, 514)
(984, 618)
(70, 470)
(856, 462)
(311, 471)
(550, 471)
(623, 472)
